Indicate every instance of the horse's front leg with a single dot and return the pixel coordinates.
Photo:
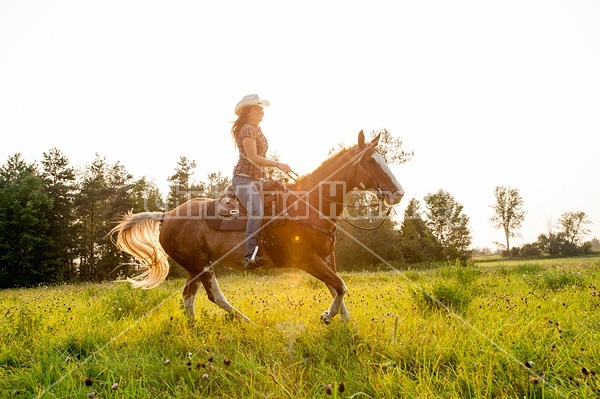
(343, 310)
(331, 262)
(211, 285)
(319, 269)
(338, 291)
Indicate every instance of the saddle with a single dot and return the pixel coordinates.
(227, 212)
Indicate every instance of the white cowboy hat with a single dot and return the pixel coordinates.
(250, 99)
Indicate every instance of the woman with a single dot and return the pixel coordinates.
(252, 146)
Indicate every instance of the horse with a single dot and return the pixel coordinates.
(302, 236)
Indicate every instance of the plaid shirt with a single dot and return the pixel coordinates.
(244, 166)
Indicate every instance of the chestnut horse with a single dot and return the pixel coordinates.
(301, 239)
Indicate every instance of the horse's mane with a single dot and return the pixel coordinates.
(311, 178)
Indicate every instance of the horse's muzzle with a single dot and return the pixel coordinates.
(394, 197)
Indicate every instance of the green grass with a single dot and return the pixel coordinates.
(496, 329)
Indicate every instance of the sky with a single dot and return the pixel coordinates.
(485, 93)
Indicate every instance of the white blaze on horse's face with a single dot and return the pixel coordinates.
(383, 178)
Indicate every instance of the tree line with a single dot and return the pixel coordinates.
(564, 238)
(55, 219)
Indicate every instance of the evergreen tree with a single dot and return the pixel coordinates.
(182, 188)
(119, 199)
(107, 192)
(146, 197)
(215, 185)
(25, 242)
(92, 206)
(59, 180)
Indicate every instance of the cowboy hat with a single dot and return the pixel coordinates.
(250, 99)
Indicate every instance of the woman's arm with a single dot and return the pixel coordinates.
(250, 148)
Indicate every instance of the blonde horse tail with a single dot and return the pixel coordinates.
(138, 235)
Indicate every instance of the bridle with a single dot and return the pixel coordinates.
(359, 161)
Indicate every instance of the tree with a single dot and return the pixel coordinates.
(104, 195)
(90, 203)
(362, 243)
(182, 187)
(25, 243)
(59, 181)
(595, 244)
(417, 242)
(146, 196)
(390, 147)
(215, 185)
(107, 191)
(508, 212)
(448, 225)
(573, 225)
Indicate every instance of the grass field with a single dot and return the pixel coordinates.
(489, 330)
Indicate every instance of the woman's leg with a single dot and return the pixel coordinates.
(248, 193)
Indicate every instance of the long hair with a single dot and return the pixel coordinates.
(239, 123)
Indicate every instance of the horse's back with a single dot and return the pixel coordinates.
(190, 241)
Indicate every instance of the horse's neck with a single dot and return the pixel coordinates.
(333, 169)
(330, 183)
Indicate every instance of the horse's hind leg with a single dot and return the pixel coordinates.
(191, 288)
(211, 285)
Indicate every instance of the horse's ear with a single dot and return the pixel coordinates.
(361, 139)
(375, 141)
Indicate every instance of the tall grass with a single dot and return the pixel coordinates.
(483, 331)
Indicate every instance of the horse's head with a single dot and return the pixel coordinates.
(373, 173)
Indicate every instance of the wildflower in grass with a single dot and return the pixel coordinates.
(168, 361)
(328, 389)
(534, 380)
(115, 386)
(91, 395)
(88, 382)
(205, 376)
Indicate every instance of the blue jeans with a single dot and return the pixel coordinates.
(248, 193)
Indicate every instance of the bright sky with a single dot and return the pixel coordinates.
(485, 93)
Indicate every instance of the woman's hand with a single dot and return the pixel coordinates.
(283, 167)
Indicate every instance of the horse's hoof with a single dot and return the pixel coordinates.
(326, 317)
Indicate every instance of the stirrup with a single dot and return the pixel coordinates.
(255, 261)
(253, 257)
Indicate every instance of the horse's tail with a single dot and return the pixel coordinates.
(138, 235)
